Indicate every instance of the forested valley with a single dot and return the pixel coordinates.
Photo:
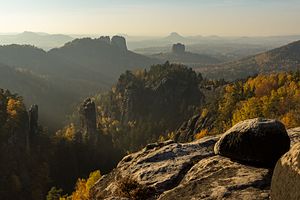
(144, 106)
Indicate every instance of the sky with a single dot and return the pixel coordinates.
(152, 17)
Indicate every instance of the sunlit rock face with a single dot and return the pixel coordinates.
(191, 170)
(286, 177)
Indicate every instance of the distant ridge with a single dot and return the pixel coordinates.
(285, 58)
(180, 55)
(42, 40)
(175, 37)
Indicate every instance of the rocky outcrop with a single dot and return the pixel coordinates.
(87, 114)
(294, 135)
(218, 177)
(255, 141)
(33, 120)
(105, 39)
(188, 130)
(286, 177)
(119, 42)
(178, 48)
(165, 92)
(159, 165)
(187, 171)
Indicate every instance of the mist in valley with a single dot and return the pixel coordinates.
(149, 99)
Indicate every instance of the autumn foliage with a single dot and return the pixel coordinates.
(271, 96)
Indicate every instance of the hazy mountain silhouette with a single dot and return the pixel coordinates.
(42, 40)
(285, 58)
(178, 54)
(223, 48)
(101, 56)
(175, 37)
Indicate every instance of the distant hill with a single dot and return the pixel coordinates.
(140, 43)
(80, 68)
(185, 57)
(41, 40)
(98, 61)
(102, 56)
(175, 37)
(285, 58)
(225, 49)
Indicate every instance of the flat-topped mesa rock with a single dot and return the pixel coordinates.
(178, 48)
(119, 42)
(170, 170)
(88, 122)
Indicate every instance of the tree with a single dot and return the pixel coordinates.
(54, 194)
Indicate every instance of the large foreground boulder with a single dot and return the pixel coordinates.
(256, 141)
(286, 177)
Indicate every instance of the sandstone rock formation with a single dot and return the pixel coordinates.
(255, 141)
(294, 135)
(159, 165)
(188, 171)
(178, 48)
(188, 130)
(105, 39)
(286, 177)
(119, 42)
(87, 114)
(218, 177)
(33, 120)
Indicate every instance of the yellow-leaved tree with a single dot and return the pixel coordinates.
(83, 187)
(15, 109)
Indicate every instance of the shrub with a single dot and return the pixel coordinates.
(131, 189)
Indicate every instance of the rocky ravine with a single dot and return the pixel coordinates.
(187, 171)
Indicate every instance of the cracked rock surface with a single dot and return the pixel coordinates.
(189, 171)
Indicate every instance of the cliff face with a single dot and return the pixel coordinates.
(87, 113)
(119, 42)
(170, 170)
(33, 120)
(178, 48)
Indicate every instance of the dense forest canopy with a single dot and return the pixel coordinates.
(32, 160)
(275, 95)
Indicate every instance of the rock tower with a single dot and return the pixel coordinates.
(88, 121)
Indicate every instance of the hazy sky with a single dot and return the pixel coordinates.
(152, 17)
